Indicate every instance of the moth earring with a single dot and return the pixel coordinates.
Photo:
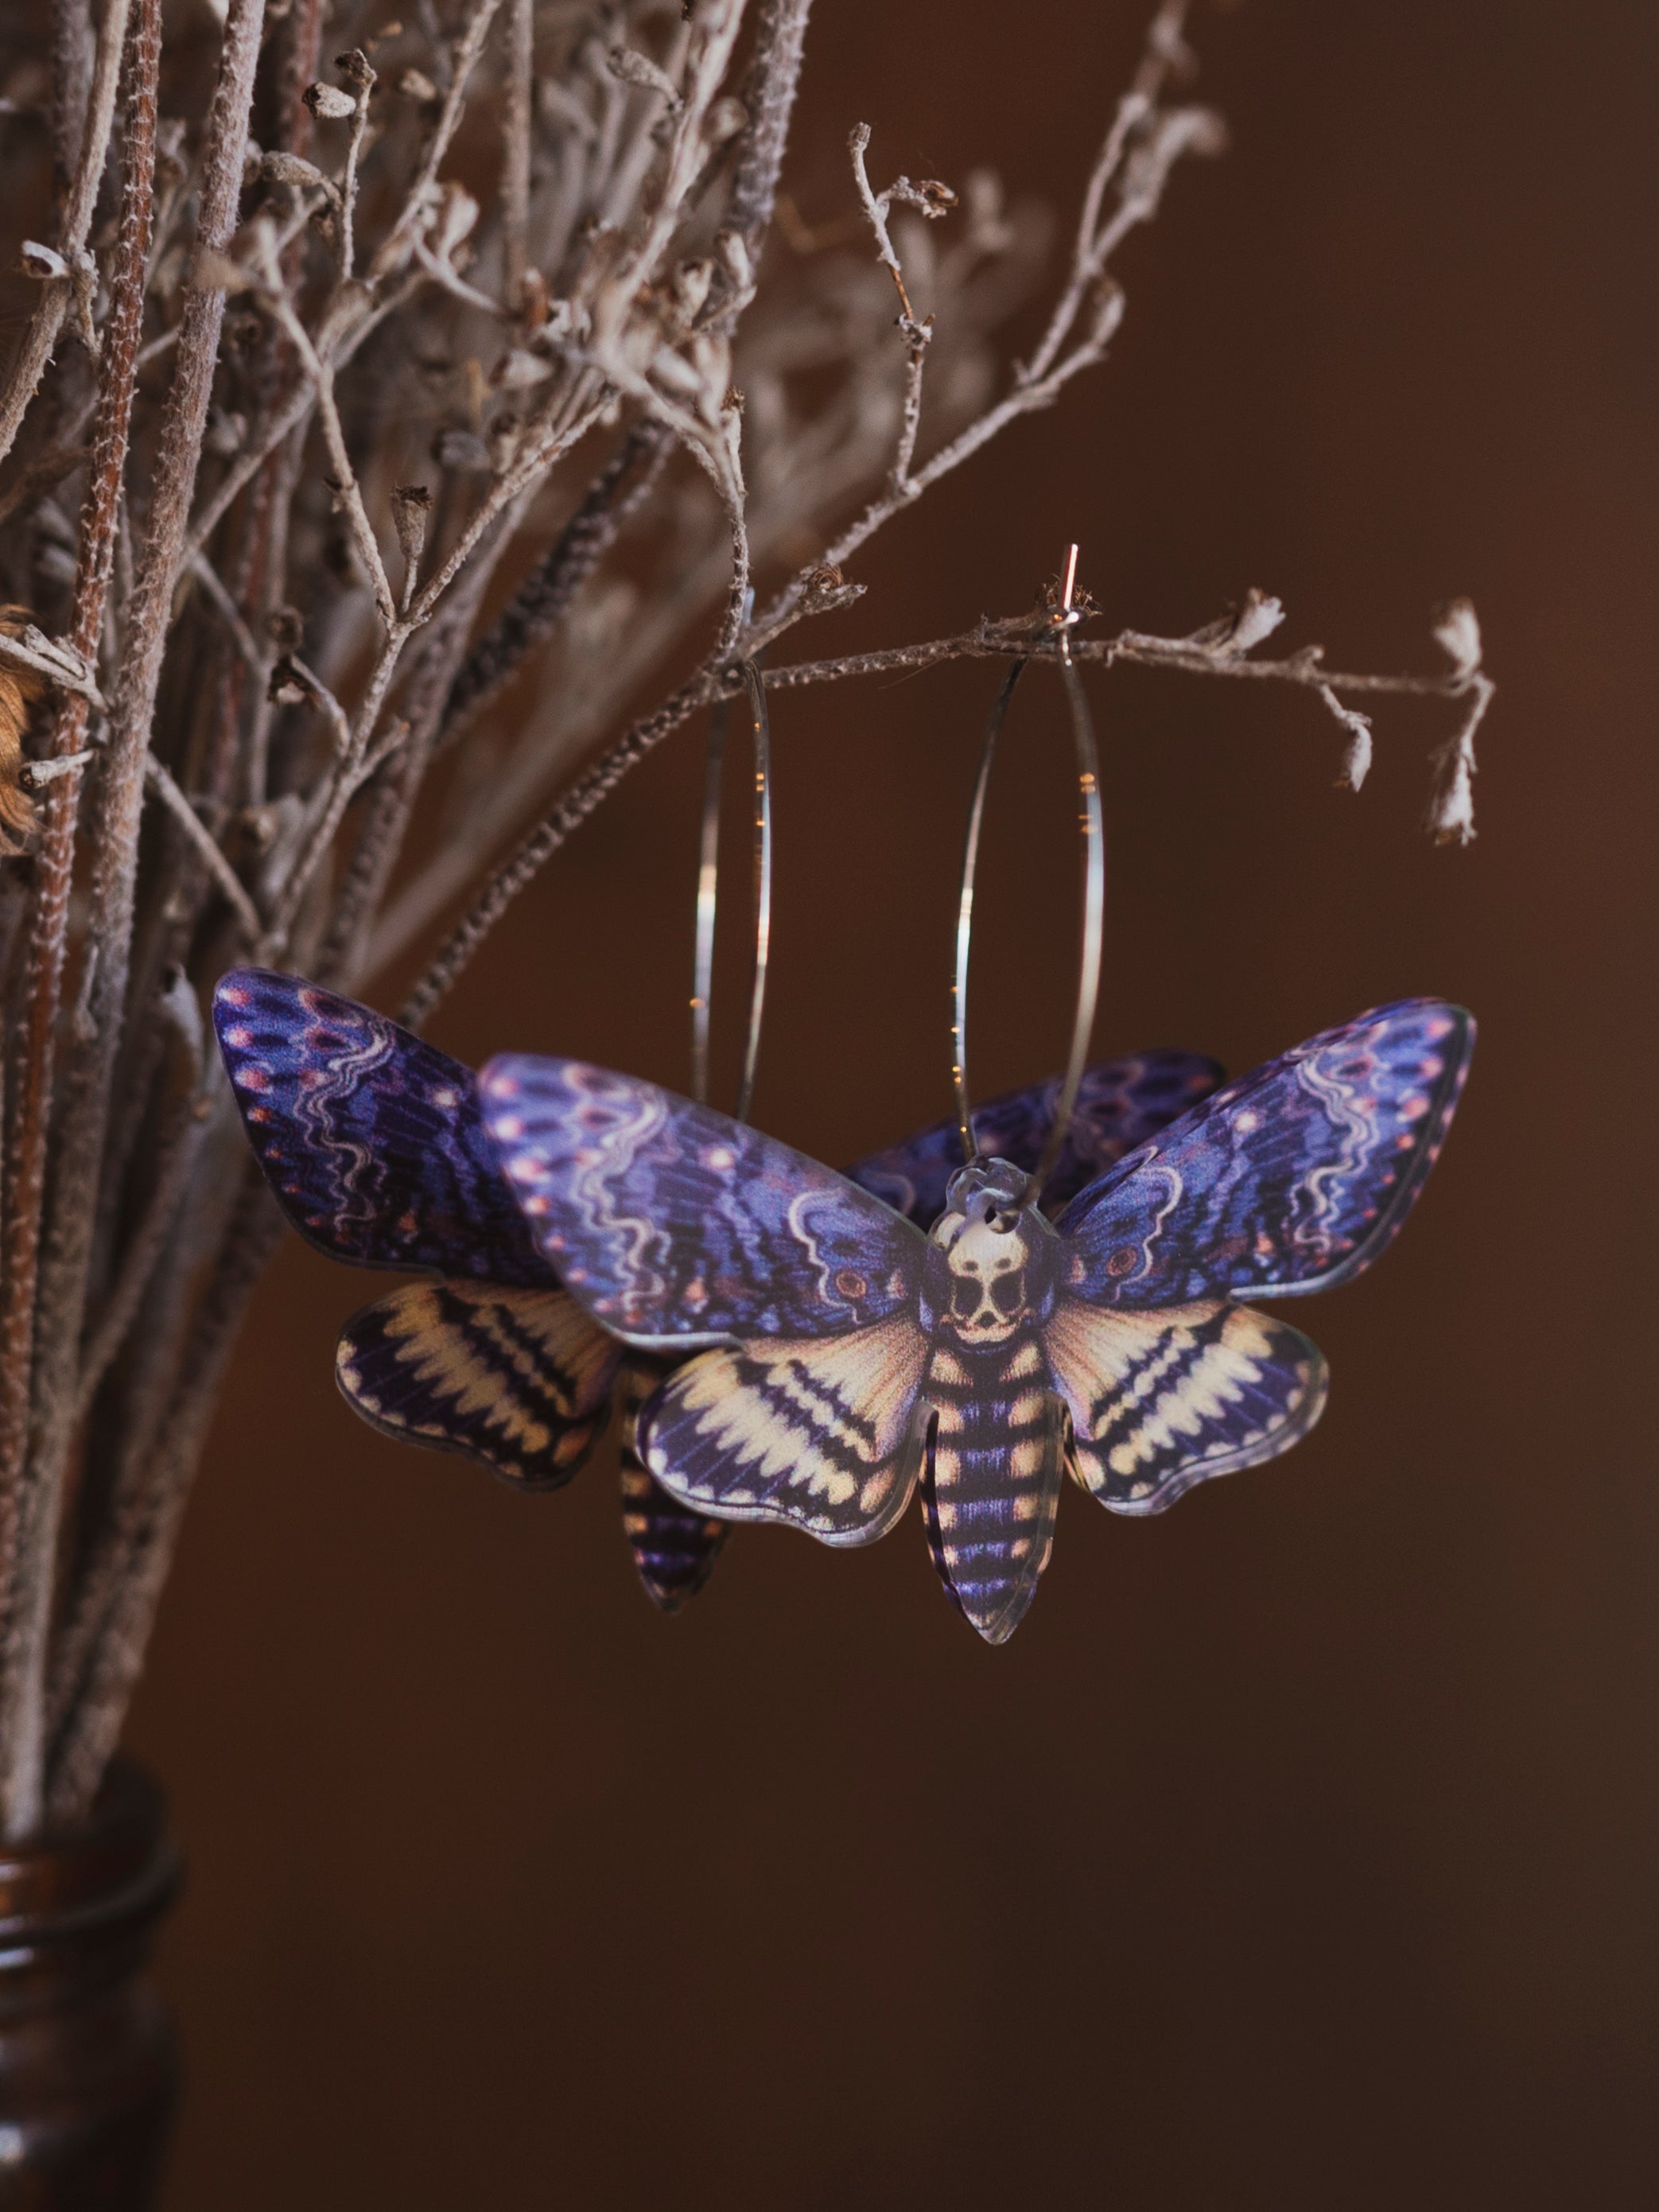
(997, 1440)
(843, 1356)
(372, 1141)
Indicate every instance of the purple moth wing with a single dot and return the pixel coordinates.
(1163, 1398)
(677, 1227)
(1288, 1181)
(1119, 1103)
(371, 1140)
(519, 1379)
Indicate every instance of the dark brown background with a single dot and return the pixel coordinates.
(1300, 1850)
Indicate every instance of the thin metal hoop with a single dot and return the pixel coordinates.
(1094, 898)
(708, 878)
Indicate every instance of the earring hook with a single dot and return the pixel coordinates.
(708, 873)
(1094, 893)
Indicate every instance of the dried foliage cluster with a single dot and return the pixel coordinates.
(357, 354)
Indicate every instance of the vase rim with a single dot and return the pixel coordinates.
(121, 1867)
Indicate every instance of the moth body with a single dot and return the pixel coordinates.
(991, 1480)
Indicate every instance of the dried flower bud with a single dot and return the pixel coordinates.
(1451, 806)
(411, 504)
(1357, 759)
(328, 102)
(281, 169)
(284, 687)
(1457, 633)
(517, 368)
(725, 120)
(415, 84)
(629, 66)
(1258, 618)
(354, 67)
(40, 261)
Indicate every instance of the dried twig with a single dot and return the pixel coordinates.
(29, 1496)
(58, 292)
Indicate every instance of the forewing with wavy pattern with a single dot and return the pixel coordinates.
(371, 1140)
(1286, 1182)
(676, 1226)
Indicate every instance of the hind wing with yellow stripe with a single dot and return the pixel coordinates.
(826, 1434)
(521, 1379)
(1162, 1400)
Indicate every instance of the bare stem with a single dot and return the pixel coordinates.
(29, 1508)
(114, 835)
(57, 292)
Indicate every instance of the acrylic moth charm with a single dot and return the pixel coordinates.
(373, 1144)
(851, 1359)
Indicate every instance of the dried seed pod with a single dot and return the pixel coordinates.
(328, 102)
(411, 504)
(629, 66)
(1457, 633)
(354, 66)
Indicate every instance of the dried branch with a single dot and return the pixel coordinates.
(30, 1499)
(115, 844)
(58, 292)
(515, 150)
(235, 891)
(769, 97)
(533, 613)
(1218, 651)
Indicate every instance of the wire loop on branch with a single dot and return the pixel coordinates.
(1094, 898)
(708, 874)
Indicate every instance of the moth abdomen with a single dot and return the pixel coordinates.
(992, 1480)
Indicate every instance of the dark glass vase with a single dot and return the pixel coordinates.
(88, 2061)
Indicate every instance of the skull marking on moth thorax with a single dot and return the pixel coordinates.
(995, 1249)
